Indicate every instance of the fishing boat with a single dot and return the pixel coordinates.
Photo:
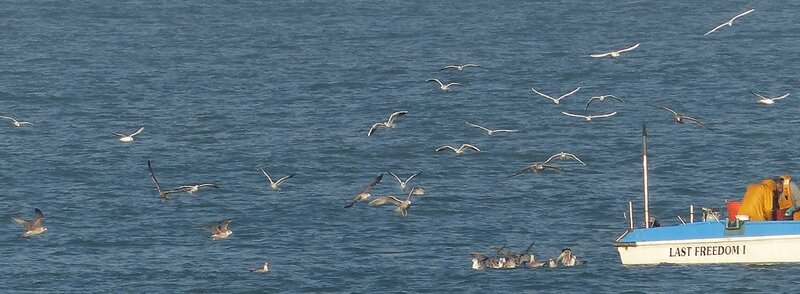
(710, 240)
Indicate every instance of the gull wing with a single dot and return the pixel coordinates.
(600, 55)
(605, 115)
(283, 179)
(412, 176)
(37, 219)
(742, 14)
(25, 223)
(529, 168)
(629, 48)
(374, 128)
(395, 176)
(223, 226)
(715, 29)
(137, 132)
(213, 229)
(696, 120)
(445, 147)
(268, 177)
(383, 199)
(153, 176)
(781, 97)
(395, 115)
(469, 146)
(437, 81)
(570, 93)
(478, 126)
(449, 67)
(369, 187)
(674, 113)
(574, 115)
(574, 157)
(209, 185)
(590, 102)
(544, 95)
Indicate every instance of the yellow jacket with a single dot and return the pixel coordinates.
(757, 201)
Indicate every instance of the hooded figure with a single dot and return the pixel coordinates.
(790, 199)
(760, 200)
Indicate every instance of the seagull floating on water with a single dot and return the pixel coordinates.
(568, 259)
(615, 53)
(601, 98)
(490, 131)
(220, 231)
(262, 269)
(404, 183)
(274, 185)
(17, 123)
(32, 228)
(460, 67)
(729, 22)
(589, 117)
(364, 193)
(556, 100)
(679, 117)
(766, 100)
(444, 87)
(460, 150)
(128, 138)
(564, 156)
(389, 124)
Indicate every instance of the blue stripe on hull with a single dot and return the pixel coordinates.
(713, 229)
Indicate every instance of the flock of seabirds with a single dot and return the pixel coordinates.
(503, 257)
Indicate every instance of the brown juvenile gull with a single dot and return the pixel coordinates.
(402, 205)
(537, 167)
(163, 194)
(679, 118)
(389, 124)
(220, 231)
(364, 194)
(556, 100)
(729, 22)
(34, 227)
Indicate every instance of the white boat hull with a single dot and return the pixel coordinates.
(760, 250)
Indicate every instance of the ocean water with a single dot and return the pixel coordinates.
(224, 88)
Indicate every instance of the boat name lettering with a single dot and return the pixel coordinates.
(707, 250)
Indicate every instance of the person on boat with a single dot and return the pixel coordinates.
(654, 223)
(760, 201)
(790, 199)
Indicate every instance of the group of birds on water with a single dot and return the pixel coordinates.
(504, 257)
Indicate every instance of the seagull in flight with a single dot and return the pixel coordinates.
(404, 183)
(764, 100)
(444, 87)
(163, 194)
(274, 185)
(402, 205)
(389, 124)
(460, 67)
(364, 194)
(564, 156)
(679, 117)
(556, 100)
(34, 227)
(490, 131)
(589, 117)
(601, 98)
(537, 167)
(220, 231)
(191, 188)
(615, 53)
(16, 122)
(460, 150)
(128, 138)
(729, 22)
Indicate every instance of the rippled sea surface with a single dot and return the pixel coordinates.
(226, 87)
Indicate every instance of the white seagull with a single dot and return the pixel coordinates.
(460, 67)
(729, 22)
(564, 156)
(389, 124)
(460, 150)
(490, 131)
(601, 98)
(404, 183)
(128, 138)
(274, 185)
(34, 227)
(615, 53)
(556, 100)
(444, 87)
(191, 188)
(263, 269)
(16, 122)
(589, 117)
(220, 231)
(764, 100)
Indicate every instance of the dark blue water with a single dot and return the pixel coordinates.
(225, 87)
